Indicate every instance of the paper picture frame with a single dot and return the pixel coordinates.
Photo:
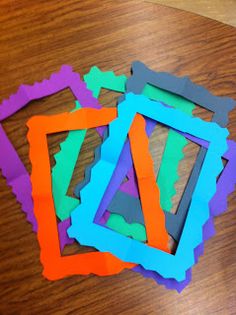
(10, 163)
(107, 240)
(55, 265)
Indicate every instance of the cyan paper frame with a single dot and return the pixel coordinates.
(89, 233)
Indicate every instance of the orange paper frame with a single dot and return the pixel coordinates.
(55, 265)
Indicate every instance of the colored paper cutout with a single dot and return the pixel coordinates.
(123, 203)
(55, 265)
(17, 177)
(218, 204)
(29, 183)
(10, 164)
(87, 232)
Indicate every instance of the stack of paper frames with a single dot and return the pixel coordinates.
(122, 208)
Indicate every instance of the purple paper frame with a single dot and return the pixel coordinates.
(10, 163)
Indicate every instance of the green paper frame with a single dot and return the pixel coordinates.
(62, 172)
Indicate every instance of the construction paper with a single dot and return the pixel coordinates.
(55, 265)
(18, 168)
(138, 232)
(12, 167)
(95, 80)
(10, 164)
(87, 232)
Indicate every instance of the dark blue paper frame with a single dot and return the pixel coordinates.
(89, 233)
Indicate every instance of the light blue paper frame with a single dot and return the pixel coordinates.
(89, 233)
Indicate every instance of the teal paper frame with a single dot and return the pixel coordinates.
(89, 233)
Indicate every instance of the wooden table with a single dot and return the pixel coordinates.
(37, 37)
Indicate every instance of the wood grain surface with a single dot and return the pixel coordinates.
(36, 38)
